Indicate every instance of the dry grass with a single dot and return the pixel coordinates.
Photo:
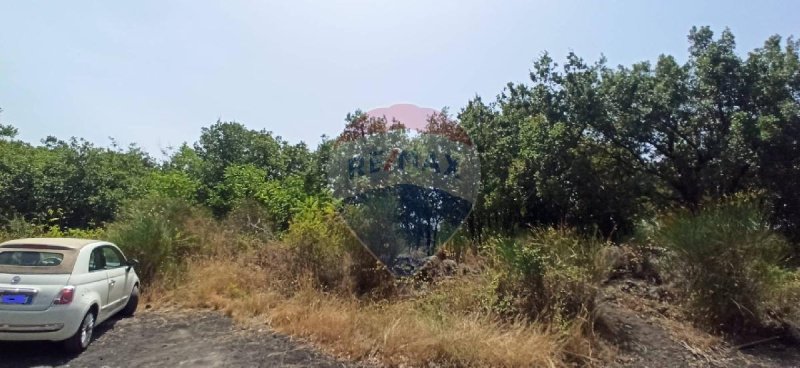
(692, 337)
(351, 309)
(445, 325)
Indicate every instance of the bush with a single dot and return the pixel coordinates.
(55, 232)
(19, 228)
(317, 242)
(729, 260)
(547, 275)
(324, 247)
(151, 231)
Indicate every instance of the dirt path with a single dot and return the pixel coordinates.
(172, 339)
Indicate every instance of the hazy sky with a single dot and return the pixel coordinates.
(155, 72)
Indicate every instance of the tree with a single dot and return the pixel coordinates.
(223, 145)
(775, 127)
(7, 131)
(595, 146)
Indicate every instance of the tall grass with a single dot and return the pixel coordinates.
(729, 260)
(549, 274)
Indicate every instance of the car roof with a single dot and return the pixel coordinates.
(72, 243)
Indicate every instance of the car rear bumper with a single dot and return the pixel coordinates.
(54, 324)
(51, 327)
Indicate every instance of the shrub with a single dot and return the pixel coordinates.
(19, 228)
(151, 231)
(55, 232)
(728, 258)
(549, 274)
(317, 239)
(324, 247)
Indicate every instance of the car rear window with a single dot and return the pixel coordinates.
(31, 258)
(22, 260)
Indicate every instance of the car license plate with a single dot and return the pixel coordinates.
(14, 299)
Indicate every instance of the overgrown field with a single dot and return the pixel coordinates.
(509, 301)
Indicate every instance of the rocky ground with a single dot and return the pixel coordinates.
(641, 321)
(172, 339)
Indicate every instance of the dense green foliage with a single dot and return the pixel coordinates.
(586, 145)
(70, 184)
(75, 184)
(595, 146)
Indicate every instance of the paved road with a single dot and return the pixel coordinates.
(171, 339)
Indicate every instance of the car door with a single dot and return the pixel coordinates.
(99, 284)
(117, 277)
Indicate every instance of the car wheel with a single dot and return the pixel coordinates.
(81, 339)
(133, 302)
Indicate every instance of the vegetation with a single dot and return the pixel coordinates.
(151, 231)
(551, 274)
(697, 159)
(729, 259)
(599, 147)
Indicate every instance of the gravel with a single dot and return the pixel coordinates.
(172, 339)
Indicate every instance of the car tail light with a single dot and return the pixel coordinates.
(65, 296)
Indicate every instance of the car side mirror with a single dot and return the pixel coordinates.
(132, 263)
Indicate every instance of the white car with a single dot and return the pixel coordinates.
(58, 289)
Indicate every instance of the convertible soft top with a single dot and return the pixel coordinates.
(69, 243)
(67, 247)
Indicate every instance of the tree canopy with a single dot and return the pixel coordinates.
(581, 143)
